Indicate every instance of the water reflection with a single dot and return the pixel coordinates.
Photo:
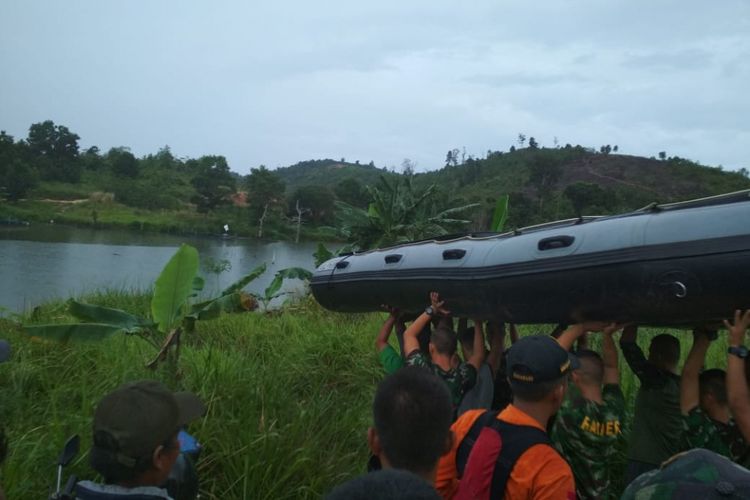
(43, 262)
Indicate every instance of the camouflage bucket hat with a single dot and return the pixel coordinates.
(696, 473)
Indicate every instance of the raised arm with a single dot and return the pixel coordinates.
(633, 353)
(737, 390)
(411, 343)
(689, 382)
(574, 332)
(477, 356)
(497, 345)
(381, 341)
(609, 355)
(513, 334)
(569, 335)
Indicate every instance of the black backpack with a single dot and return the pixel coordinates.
(504, 444)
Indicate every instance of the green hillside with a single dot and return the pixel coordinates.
(45, 176)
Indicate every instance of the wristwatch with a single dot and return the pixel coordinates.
(429, 311)
(738, 350)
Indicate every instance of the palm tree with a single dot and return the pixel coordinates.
(399, 213)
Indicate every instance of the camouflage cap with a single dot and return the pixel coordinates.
(696, 473)
(137, 417)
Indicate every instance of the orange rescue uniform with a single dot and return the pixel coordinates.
(540, 472)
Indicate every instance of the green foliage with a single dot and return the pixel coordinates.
(173, 287)
(398, 213)
(17, 176)
(263, 187)
(500, 215)
(74, 332)
(322, 254)
(107, 315)
(351, 191)
(245, 280)
(584, 194)
(122, 162)
(318, 200)
(213, 183)
(55, 149)
(285, 274)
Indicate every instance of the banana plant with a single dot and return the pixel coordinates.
(172, 310)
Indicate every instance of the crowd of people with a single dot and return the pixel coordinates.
(543, 418)
(546, 418)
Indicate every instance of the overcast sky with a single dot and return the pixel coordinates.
(279, 82)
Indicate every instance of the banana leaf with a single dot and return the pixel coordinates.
(173, 287)
(242, 282)
(322, 254)
(106, 315)
(76, 331)
(500, 215)
(288, 273)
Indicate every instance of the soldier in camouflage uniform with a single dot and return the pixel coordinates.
(589, 425)
(443, 344)
(706, 419)
(694, 474)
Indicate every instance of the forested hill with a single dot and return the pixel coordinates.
(543, 183)
(46, 176)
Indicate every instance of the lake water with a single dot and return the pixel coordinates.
(44, 262)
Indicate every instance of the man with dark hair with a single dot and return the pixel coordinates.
(656, 434)
(412, 414)
(588, 427)
(442, 350)
(707, 421)
(509, 454)
(135, 440)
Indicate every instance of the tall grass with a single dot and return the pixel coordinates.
(288, 397)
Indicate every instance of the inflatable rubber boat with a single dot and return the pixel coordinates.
(672, 264)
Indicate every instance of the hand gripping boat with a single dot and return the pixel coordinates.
(675, 264)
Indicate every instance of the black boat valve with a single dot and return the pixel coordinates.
(680, 290)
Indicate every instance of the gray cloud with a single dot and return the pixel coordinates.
(276, 83)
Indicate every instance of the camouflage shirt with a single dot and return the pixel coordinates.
(589, 436)
(459, 380)
(694, 474)
(700, 431)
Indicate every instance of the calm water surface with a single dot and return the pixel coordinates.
(44, 262)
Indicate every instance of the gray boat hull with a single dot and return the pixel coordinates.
(680, 264)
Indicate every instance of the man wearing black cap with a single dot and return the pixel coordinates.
(135, 440)
(509, 454)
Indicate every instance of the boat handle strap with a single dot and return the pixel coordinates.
(393, 258)
(554, 242)
(454, 254)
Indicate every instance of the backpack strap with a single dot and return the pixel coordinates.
(516, 439)
(467, 443)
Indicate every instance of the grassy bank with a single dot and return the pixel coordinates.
(117, 216)
(288, 394)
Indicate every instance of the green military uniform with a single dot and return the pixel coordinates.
(390, 359)
(657, 423)
(458, 380)
(700, 431)
(589, 436)
(694, 474)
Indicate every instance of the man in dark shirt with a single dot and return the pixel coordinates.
(707, 421)
(657, 423)
(443, 344)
